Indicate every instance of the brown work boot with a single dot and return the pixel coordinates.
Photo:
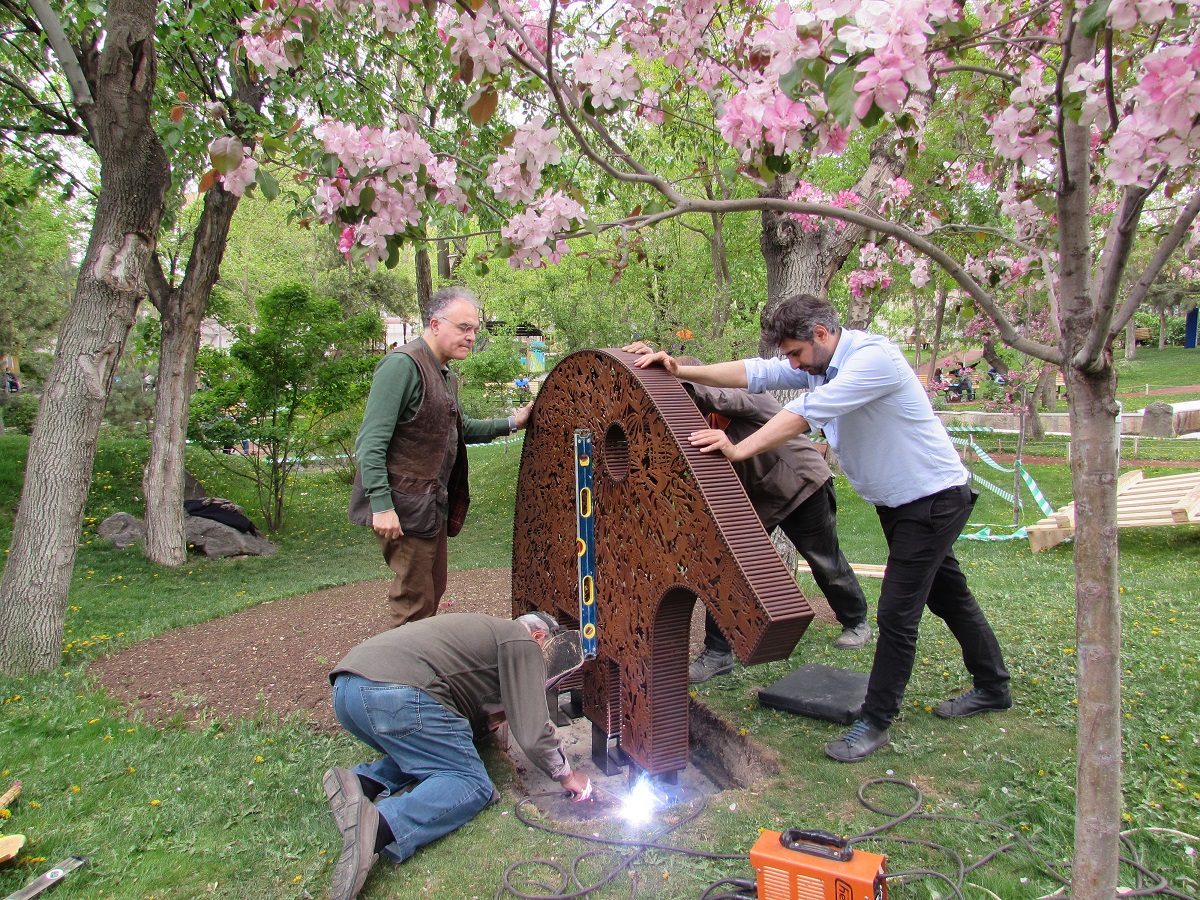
(358, 849)
(342, 789)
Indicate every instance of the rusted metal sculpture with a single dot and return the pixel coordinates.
(671, 525)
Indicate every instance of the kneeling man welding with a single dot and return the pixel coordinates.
(414, 694)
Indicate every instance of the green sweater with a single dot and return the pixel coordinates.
(396, 394)
(466, 660)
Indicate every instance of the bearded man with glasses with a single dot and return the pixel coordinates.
(411, 484)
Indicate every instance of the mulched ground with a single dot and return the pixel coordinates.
(274, 658)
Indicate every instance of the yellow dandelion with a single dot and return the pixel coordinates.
(156, 803)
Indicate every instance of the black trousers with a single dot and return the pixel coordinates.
(812, 527)
(922, 571)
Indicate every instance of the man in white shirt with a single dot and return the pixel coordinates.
(897, 455)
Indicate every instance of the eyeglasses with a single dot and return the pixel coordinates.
(463, 327)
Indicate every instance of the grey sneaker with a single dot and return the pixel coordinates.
(854, 638)
(710, 664)
(858, 743)
(973, 702)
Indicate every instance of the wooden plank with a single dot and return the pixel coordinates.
(1043, 537)
(1065, 517)
(1187, 508)
(1141, 503)
(1129, 479)
(862, 570)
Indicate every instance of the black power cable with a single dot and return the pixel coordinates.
(571, 885)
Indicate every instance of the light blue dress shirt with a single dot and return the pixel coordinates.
(876, 416)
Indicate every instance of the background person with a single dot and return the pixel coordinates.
(898, 456)
(411, 484)
(790, 487)
(416, 695)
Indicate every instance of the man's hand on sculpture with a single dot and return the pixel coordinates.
(710, 439)
(521, 415)
(578, 786)
(387, 524)
(661, 357)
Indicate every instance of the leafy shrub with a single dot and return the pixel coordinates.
(20, 412)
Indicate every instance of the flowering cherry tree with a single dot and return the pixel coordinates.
(1094, 112)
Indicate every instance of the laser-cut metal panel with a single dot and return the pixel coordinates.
(671, 524)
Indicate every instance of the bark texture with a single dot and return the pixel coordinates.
(1087, 297)
(805, 262)
(181, 308)
(134, 176)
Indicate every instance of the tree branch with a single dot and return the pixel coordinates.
(80, 91)
(157, 287)
(982, 70)
(1163, 252)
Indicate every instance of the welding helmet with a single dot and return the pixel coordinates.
(561, 650)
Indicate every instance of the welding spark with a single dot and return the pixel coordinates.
(641, 802)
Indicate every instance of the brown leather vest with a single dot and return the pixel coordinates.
(426, 458)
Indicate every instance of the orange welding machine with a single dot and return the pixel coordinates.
(815, 865)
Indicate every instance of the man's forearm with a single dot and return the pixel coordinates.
(726, 374)
(778, 431)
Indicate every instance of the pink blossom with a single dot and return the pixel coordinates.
(649, 109)
(346, 241)
(240, 178)
(806, 192)
(265, 53)
(533, 233)
(1125, 14)
(883, 83)
(919, 275)
(608, 75)
(516, 175)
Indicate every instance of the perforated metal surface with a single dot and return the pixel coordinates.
(671, 525)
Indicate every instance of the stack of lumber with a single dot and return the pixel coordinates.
(1141, 503)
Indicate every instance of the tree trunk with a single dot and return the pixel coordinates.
(134, 176)
(1131, 339)
(1034, 429)
(992, 355)
(443, 258)
(805, 262)
(1047, 390)
(424, 279)
(181, 309)
(1093, 412)
(722, 283)
(939, 317)
(1162, 327)
(1091, 390)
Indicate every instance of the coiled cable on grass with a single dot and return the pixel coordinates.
(571, 885)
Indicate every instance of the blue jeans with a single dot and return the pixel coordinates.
(923, 572)
(431, 776)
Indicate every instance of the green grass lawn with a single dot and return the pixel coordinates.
(235, 809)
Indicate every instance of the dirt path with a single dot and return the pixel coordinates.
(275, 658)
